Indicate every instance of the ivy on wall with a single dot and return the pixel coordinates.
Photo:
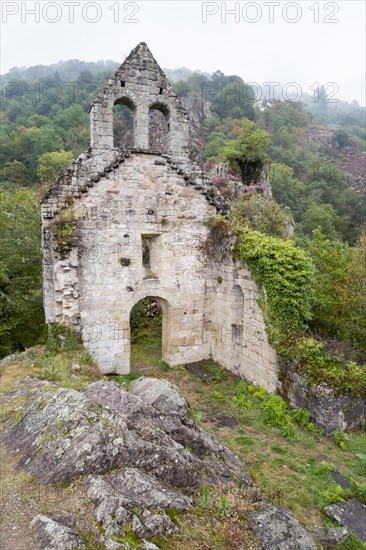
(285, 275)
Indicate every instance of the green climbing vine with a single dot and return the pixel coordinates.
(284, 275)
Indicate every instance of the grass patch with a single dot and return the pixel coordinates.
(124, 379)
(146, 345)
(290, 469)
(217, 520)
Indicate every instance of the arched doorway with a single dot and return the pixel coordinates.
(159, 127)
(149, 333)
(124, 123)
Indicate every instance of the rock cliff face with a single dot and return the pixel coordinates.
(329, 411)
(139, 455)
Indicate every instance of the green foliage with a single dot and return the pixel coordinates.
(261, 214)
(341, 439)
(218, 395)
(359, 491)
(322, 217)
(286, 189)
(319, 365)
(138, 316)
(206, 499)
(230, 97)
(334, 494)
(224, 506)
(220, 132)
(287, 122)
(64, 229)
(51, 165)
(361, 462)
(164, 366)
(181, 88)
(63, 346)
(173, 515)
(275, 411)
(352, 326)
(351, 543)
(59, 337)
(197, 414)
(286, 273)
(301, 417)
(13, 174)
(126, 379)
(21, 311)
(247, 152)
(305, 180)
(341, 138)
(331, 259)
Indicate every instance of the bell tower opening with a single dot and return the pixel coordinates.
(124, 124)
(159, 127)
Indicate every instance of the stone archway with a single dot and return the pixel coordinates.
(159, 126)
(165, 331)
(124, 114)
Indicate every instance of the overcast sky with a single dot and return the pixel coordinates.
(263, 41)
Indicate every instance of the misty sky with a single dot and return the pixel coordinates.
(276, 41)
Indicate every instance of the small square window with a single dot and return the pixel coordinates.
(123, 83)
(161, 91)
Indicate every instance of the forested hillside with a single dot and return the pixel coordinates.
(313, 153)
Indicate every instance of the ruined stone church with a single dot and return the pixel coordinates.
(123, 224)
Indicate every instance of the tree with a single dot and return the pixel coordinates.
(182, 88)
(331, 259)
(341, 138)
(51, 165)
(233, 98)
(13, 174)
(30, 143)
(21, 311)
(247, 153)
(320, 216)
(353, 297)
(286, 189)
(262, 214)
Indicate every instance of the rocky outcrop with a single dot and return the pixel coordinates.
(278, 530)
(65, 434)
(57, 531)
(328, 411)
(351, 515)
(140, 456)
(329, 537)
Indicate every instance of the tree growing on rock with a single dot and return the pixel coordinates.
(247, 153)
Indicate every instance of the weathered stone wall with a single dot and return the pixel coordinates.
(141, 85)
(110, 204)
(151, 202)
(241, 343)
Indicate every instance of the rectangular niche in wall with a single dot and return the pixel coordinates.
(150, 245)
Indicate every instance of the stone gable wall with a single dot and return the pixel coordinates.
(109, 202)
